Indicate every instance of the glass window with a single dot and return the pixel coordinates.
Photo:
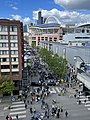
(13, 37)
(3, 28)
(14, 59)
(15, 73)
(3, 37)
(14, 52)
(5, 59)
(13, 28)
(4, 52)
(14, 45)
(14, 66)
(5, 73)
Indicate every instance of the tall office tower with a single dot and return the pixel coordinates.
(40, 18)
(39, 15)
(12, 51)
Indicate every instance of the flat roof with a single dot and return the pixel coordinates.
(49, 25)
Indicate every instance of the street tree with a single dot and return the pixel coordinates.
(58, 65)
(6, 85)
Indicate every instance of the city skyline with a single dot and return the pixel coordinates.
(67, 11)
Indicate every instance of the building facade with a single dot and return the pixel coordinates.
(12, 51)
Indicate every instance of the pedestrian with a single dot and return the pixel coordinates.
(66, 113)
(10, 118)
(28, 102)
(34, 110)
(61, 109)
(24, 101)
(57, 114)
(31, 110)
(31, 101)
(85, 101)
(17, 116)
(7, 117)
(26, 106)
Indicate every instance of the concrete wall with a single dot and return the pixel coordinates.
(70, 52)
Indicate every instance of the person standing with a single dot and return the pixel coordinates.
(10, 118)
(7, 117)
(17, 116)
(66, 113)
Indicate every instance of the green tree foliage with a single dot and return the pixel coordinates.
(6, 85)
(58, 65)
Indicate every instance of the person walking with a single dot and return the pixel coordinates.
(66, 113)
(31, 110)
(7, 117)
(17, 117)
(10, 118)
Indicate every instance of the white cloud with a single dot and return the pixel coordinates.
(74, 4)
(15, 8)
(64, 17)
(25, 20)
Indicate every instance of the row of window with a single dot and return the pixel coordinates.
(6, 28)
(6, 44)
(8, 66)
(7, 60)
(8, 73)
(6, 52)
(50, 38)
(82, 37)
(6, 37)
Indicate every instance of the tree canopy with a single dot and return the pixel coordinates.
(6, 85)
(58, 65)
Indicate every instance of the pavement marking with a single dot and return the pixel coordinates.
(14, 117)
(17, 102)
(16, 113)
(58, 90)
(88, 108)
(87, 105)
(82, 96)
(5, 108)
(52, 90)
(82, 99)
(20, 105)
(16, 109)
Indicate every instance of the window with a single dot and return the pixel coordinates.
(5, 66)
(55, 38)
(50, 39)
(33, 38)
(3, 37)
(15, 73)
(3, 44)
(4, 52)
(13, 37)
(5, 73)
(3, 28)
(5, 59)
(14, 45)
(14, 59)
(42, 38)
(46, 38)
(13, 28)
(14, 66)
(14, 52)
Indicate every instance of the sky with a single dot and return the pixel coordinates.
(67, 11)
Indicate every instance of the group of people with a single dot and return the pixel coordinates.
(10, 117)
